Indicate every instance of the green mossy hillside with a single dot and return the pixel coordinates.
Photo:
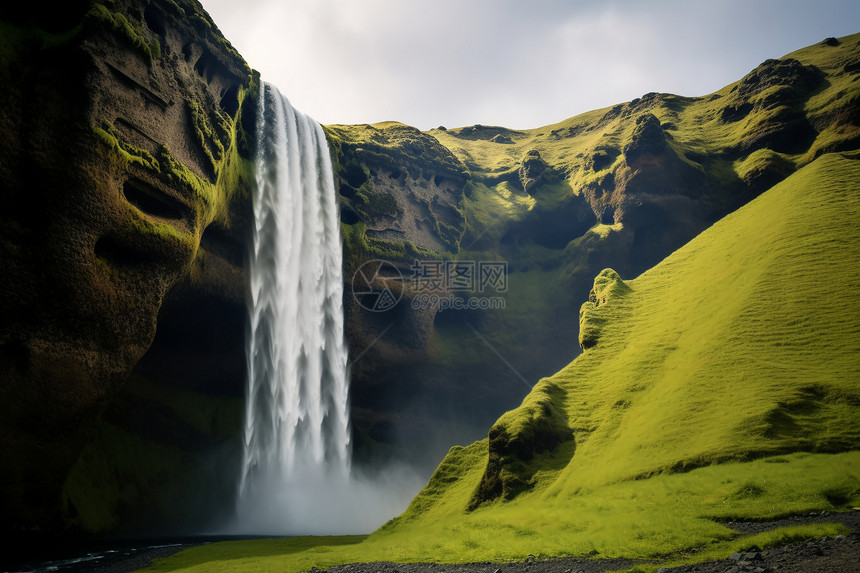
(539, 425)
(607, 285)
(743, 344)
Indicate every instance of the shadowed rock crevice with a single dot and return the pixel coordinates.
(153, 202)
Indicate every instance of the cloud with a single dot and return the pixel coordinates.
(506, 62)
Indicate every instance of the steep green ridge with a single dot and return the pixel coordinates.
(744, 343)
(737, 141)
(720, 384)
(732, 122)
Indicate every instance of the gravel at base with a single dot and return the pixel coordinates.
(555, 566)
(139, 560)
(825, 555)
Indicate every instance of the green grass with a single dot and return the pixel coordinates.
(743, 342)
(665, 517)
(722, 385)
(256, 555)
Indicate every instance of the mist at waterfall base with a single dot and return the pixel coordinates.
(296, 476)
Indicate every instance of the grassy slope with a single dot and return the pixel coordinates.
(588, 151)
(744, 342)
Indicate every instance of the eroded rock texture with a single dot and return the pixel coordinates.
(119, 148)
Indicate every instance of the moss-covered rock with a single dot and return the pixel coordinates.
(607, 286)
(534, 172)
(119, 150)
(539, 425)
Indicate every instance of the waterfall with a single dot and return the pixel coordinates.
(297, 435)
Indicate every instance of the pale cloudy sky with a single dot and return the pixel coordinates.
(520, 64)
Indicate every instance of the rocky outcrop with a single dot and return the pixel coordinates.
(120, 130)
(539, 426)
(607, 286)
(401, 184)
(492, 133)
(776, 87)
(534, 172)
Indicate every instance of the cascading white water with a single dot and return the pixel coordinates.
(297, 436)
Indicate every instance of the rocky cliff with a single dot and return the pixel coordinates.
(123, 175)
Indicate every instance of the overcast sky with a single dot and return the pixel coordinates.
(519, 64)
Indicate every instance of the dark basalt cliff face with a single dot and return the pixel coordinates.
(124, 197)
(122, 175)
